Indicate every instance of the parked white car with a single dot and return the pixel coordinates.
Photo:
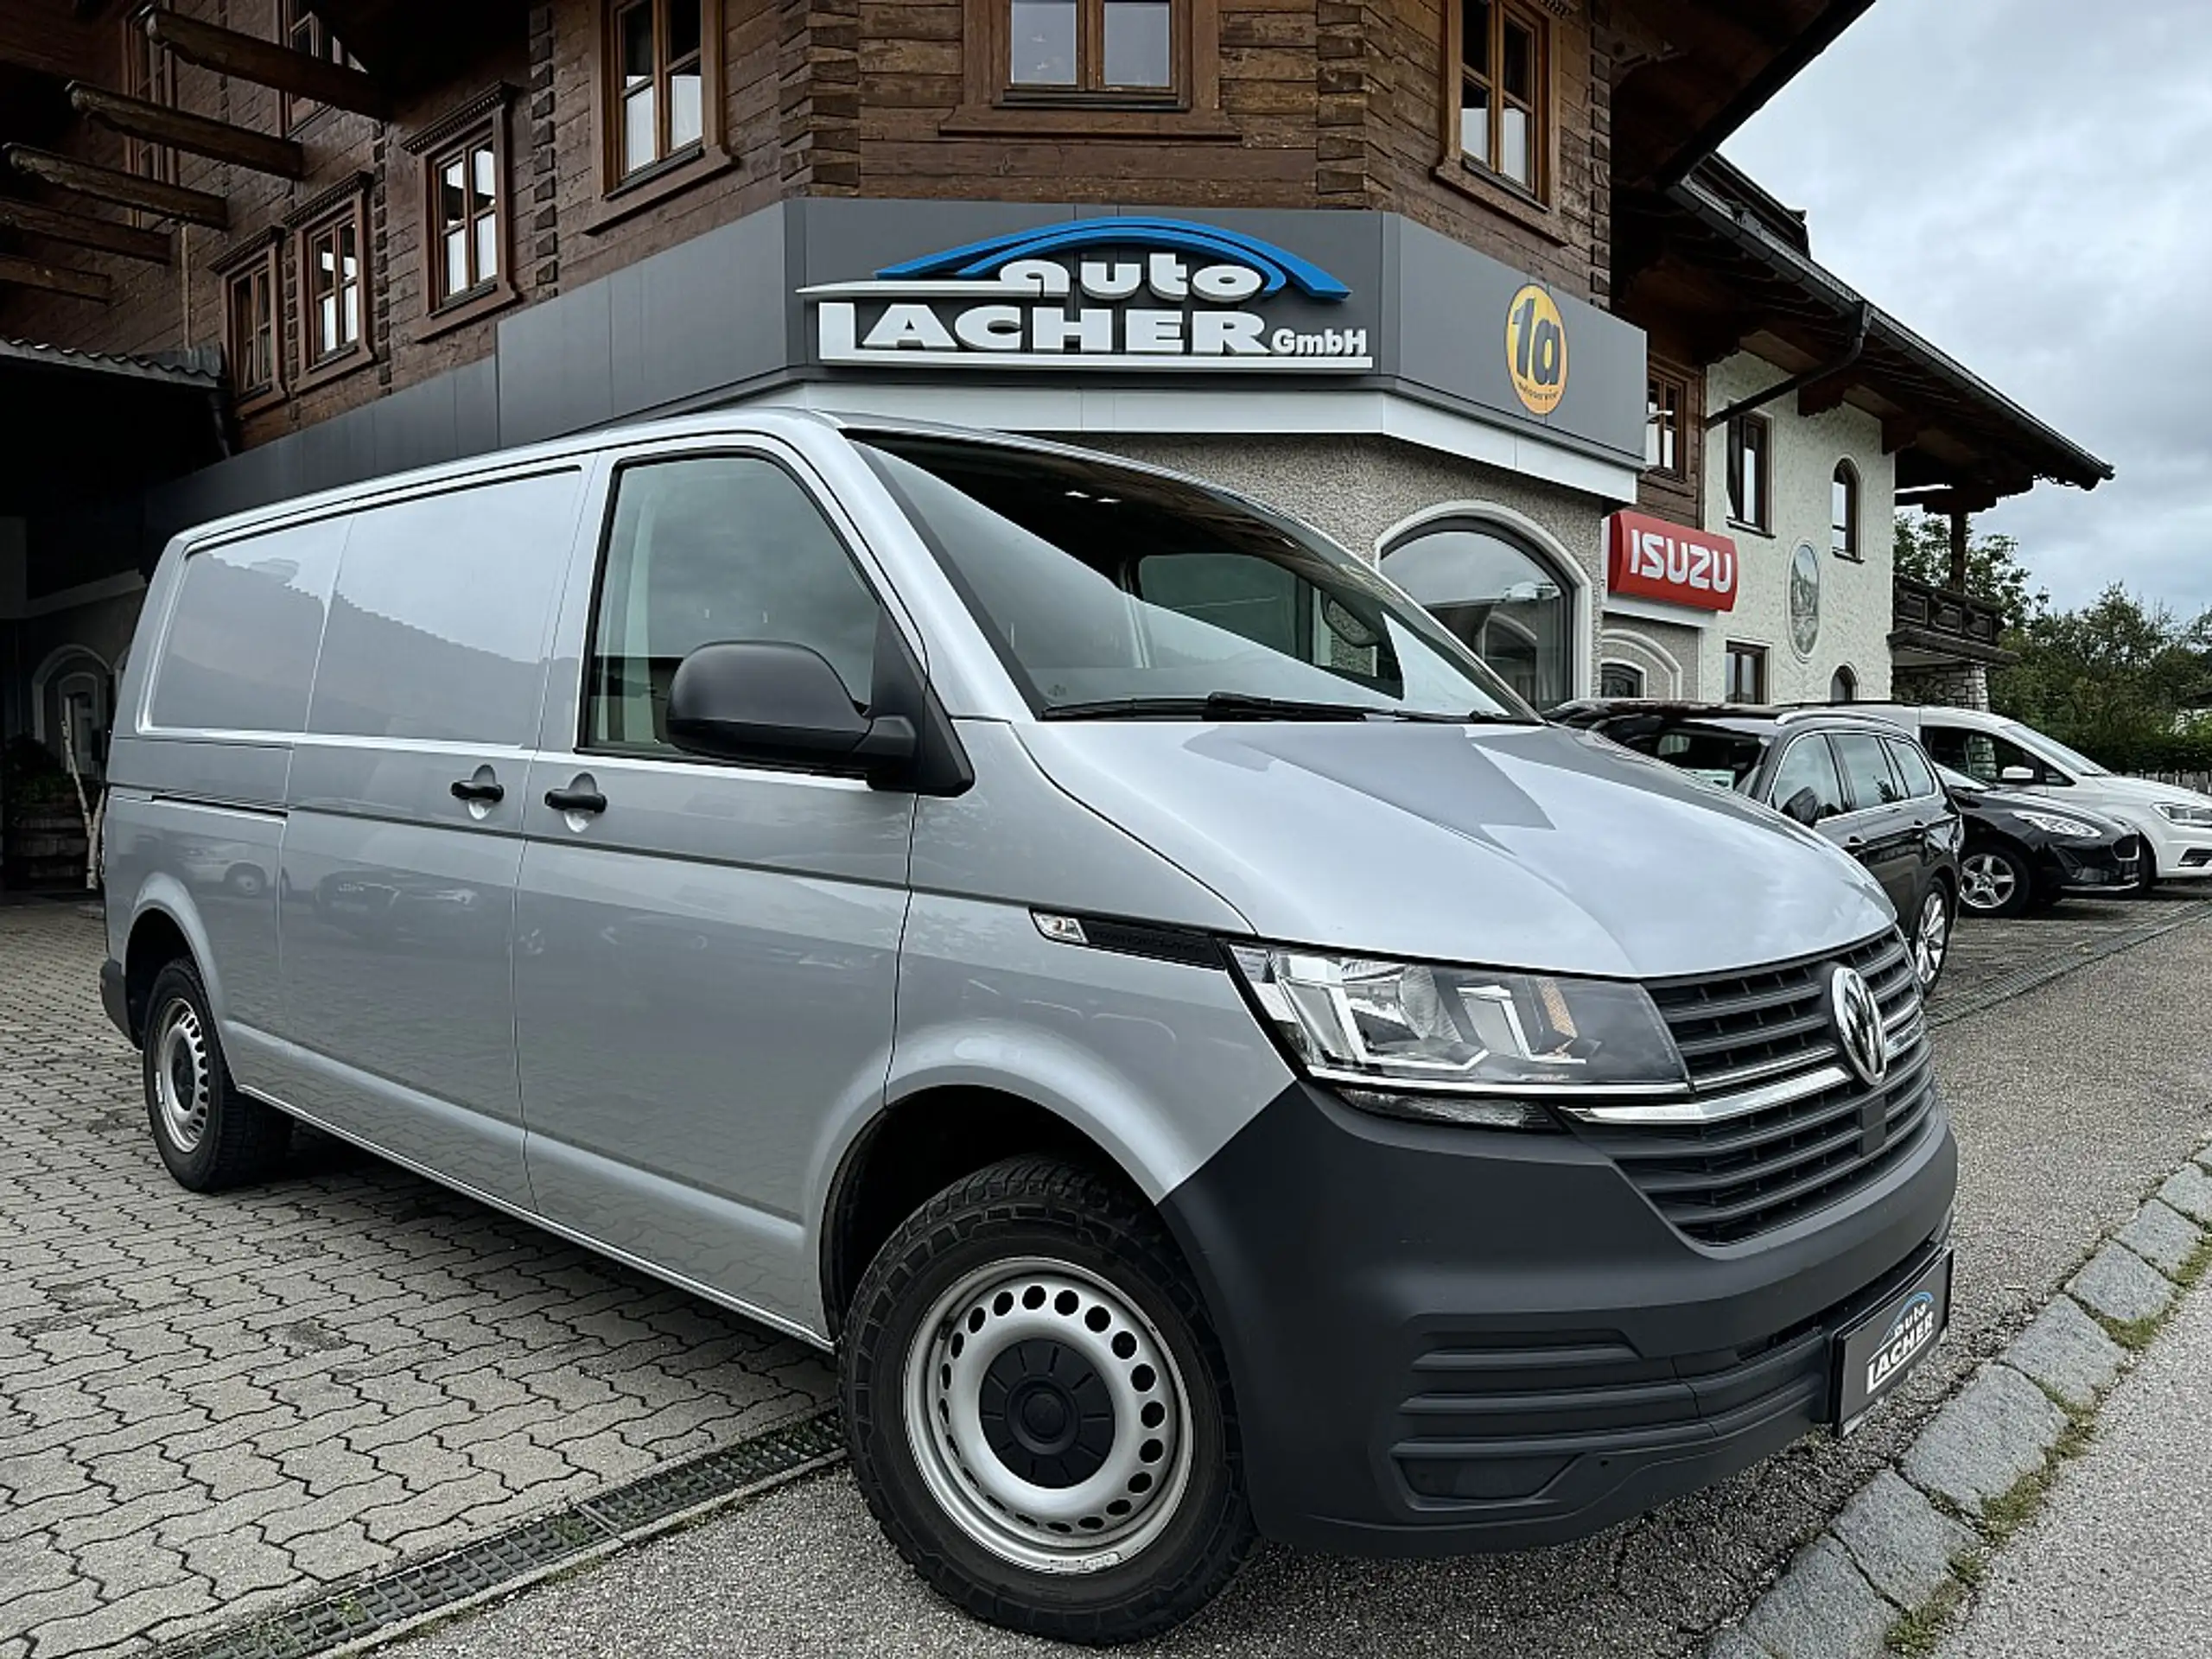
(2176, 824)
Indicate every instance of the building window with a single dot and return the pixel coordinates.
(1750, 474)
(1620, 680)
(1843, 687)
(1500, 597)
(1095, 47)
(254, 299)
(1843, 512)
(306, 33)
(1747, 673)
(664, 97)
(148, 72)
(465, 212)
(1665, 397)
(1499, 59)
(333, 283)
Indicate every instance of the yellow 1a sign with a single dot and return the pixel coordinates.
(1536, 349)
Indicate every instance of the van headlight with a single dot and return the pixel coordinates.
(2188, 812)
(1386, 1027)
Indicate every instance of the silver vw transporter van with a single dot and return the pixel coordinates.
(1211, 1062)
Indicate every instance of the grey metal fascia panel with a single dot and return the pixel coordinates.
(556, 366)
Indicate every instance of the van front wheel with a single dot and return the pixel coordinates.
(209, 1134)
(1038, 1411)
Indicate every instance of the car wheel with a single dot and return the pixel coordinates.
(1931, 937)
(1995, 880)
(2147, 877)
(209, 1134)
(1039, 1413)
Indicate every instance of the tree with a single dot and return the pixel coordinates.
(1995, 573)
(2111, 678)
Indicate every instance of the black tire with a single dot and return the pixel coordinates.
(2148, 880)
(238, 1140)
(2006, 883)
(1020, 1213)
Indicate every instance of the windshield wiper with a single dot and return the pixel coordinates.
(1245, 705)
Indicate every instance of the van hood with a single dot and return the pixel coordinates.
(2111, 788)
(1526, 847)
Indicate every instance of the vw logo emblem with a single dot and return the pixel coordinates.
(1859, 1025)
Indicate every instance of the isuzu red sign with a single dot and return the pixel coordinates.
(1654, 558)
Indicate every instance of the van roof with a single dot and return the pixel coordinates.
(766, 420)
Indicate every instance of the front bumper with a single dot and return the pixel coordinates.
(2103, 868)
(1447, 1340)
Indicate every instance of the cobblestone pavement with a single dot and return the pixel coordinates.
(210, 1405)
(1984, 950)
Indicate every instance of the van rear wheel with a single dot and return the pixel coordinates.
(209, 1134)
(1039, 1413)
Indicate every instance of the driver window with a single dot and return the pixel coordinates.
(709, 549)
(1809, 765)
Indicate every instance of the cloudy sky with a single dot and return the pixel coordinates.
(2028, 183)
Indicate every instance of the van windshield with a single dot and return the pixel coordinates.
(1110, 593)
(2051, 749)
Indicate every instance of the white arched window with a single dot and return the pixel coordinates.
(1499, 595)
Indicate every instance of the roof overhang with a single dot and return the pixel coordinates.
(79, 428)
(1723, 260)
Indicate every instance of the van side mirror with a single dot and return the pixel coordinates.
(779, 704)
(1804, 806)
(2017, 775)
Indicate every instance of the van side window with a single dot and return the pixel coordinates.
(239, 655)
(704, 551)
(1866, 773)
(437, 631)
(1912, 767)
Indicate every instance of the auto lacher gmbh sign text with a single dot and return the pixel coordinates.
(1132, 294)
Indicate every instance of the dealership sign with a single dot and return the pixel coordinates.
(1110, 293)
(1653, 558)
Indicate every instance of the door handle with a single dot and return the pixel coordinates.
(575, 800)
(470, 789)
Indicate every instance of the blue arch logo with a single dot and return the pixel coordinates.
(1278, 267)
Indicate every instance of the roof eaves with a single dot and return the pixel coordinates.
(2087, 470)
(198, 373)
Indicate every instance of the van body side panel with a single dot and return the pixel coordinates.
(1159, 1063)
(704, 973)
(398, 921)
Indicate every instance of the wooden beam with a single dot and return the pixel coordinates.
(55, 279)
(265, 63)
(152, 246)
(159, 124)
(32, 37)
(168, 201)
(1819, 397)
(1900, 432)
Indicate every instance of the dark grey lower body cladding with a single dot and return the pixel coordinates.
(362, 1609)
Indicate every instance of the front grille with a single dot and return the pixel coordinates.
(1738, 1027)
(1750, 1172)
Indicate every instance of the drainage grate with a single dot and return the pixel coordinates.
(360, 1611)
(2007, 986)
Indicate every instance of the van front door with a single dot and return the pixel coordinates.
(400, 850)
(707, 954)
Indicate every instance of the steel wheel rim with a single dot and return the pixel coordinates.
(1112, 1493)
(180, 1087)
(1987, 882)
(1932, 938)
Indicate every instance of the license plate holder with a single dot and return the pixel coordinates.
(1874, 1355)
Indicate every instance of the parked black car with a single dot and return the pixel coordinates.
(2025, 852)
(1860, 781)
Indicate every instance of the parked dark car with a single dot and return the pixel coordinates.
(2025, 852)
(1860, 781)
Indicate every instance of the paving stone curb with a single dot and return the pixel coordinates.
(1886, 1571)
